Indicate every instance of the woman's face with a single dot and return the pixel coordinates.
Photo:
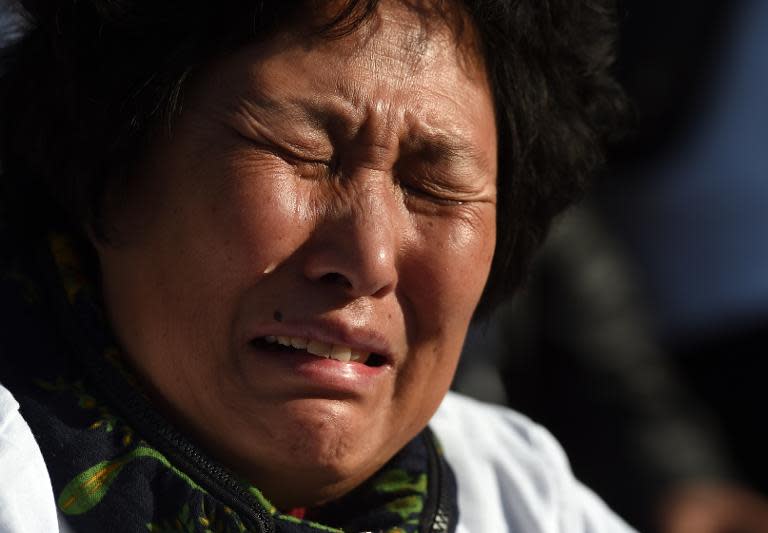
(337, 195)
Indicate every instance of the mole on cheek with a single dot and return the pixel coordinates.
(278, 316)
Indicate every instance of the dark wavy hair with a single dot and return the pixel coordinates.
(91, 82)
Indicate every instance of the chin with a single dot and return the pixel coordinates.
(331, 442)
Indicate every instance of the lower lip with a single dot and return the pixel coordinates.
(313, 374)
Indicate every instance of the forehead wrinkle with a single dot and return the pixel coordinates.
(424, 29)
(415, 45)
(435, 26)
(410, 51)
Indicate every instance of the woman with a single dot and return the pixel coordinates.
(273, 225)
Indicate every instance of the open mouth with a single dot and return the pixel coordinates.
(338, 352)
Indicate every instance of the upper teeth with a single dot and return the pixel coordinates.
(338, 352)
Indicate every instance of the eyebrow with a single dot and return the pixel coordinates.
(452, 148)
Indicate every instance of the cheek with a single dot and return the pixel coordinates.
(452, 265)
(216, 228)
(255, 219)
(441, 287)
(253, 195)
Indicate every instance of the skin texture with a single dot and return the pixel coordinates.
(347, 183)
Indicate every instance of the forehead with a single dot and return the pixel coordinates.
(419, 67)
(410, 39)
(418, 24)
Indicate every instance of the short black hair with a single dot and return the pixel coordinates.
(90, 82)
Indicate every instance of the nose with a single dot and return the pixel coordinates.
(355, 248)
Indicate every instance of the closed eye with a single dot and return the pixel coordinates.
(304, 165)
(422, 193)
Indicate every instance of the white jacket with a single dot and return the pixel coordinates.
(26, 496)
(512, 475)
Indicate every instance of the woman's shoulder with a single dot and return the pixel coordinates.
(26, 496)
(512, 474)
